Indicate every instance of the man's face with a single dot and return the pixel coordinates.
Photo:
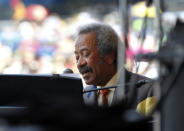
(89, 63)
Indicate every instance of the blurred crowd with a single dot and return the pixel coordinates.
(29, 47)
(46, 45)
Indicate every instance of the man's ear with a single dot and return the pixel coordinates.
(110, 58)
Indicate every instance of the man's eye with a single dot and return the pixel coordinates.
(86, 54)
(77, 58)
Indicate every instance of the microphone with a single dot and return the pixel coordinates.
(142, 82)
(137, 85)
(68, 70)
(69, 73)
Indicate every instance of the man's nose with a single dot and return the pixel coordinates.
(81, 62)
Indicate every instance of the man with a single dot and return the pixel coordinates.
(96, 58)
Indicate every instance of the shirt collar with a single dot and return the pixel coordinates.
(112, 81)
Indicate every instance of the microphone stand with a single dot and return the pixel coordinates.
(137, 85)
(97, 89)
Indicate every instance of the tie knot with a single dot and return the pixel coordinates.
(105, 92)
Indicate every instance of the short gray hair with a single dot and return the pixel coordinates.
(106, 38)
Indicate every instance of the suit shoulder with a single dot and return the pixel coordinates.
(144, 90)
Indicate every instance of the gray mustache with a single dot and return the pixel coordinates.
(85, 69)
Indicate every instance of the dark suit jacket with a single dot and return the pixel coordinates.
(133, 95)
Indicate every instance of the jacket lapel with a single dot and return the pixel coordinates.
(119, 93)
